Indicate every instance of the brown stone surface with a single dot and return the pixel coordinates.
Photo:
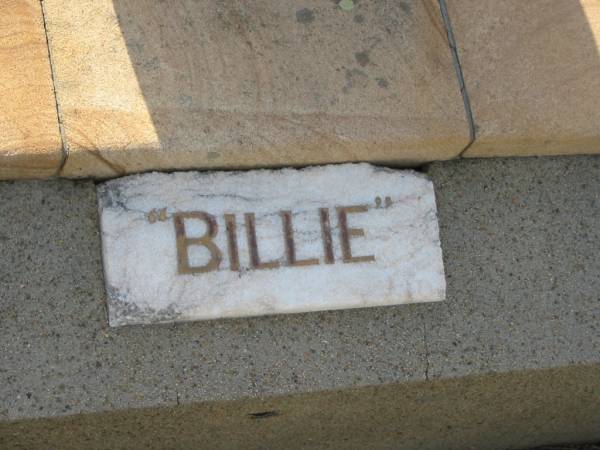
(494, 412)
(532, 70)
(30, 145)
(244, 84)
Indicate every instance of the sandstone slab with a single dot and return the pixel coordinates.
(199, 84)
(532, 73)
(192, 245)
(30, 144)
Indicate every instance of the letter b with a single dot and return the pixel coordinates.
(184, 242)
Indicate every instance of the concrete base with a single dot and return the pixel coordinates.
(510, 360)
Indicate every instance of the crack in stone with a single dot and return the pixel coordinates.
(425, 341)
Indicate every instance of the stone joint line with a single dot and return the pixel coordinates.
(63, 140)
(459, 75)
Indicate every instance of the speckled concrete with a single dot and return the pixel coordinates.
(60, 357)
(521, 244)
(520, 241)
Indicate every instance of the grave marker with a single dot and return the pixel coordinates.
(194, 245)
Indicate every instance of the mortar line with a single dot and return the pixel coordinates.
(459, 75)
(61, 130)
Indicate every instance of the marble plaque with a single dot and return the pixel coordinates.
(204, 245)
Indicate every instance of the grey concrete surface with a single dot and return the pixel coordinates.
(60, 357)
(521, 243)
(511, 359)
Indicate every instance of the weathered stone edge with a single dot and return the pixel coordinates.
(493, 411)
(510, 147)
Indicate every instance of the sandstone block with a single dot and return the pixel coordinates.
(532, 70)
(30, 144)
(199, 84)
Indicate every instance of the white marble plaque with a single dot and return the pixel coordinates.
(203, 245)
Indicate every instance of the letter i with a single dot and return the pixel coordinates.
(326, 236)
(230, 228)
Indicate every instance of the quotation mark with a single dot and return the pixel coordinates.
(388, 202)
(159, 215)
